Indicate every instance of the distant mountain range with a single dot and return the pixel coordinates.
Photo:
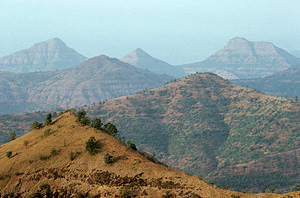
(97, 79)
(284, 84)
(243, 59)
(49, 55)
(204, 125)
(141, 59)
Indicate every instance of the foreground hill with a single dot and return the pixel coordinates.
(241, 59)
(204, 125)
(49, 55)
(45, 166)
(141, 59)
(285, 83)
(97, 79)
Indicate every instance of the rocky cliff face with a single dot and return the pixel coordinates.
(241, 58)
(141, 59)
(98, 79)
(50, 55)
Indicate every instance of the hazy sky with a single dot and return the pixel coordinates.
(175, 31)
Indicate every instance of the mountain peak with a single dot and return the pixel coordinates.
(237, 40)
(55, 40)
(49, 55)
(142, 59)
(246, 59)
(140, 51)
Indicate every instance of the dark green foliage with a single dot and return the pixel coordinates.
(44, 186)
(131, 145)
(97, 123)
(12, 136)
(36, 125)
(298, 187)
(108, 158)
(91, 146)
(34, 195)
(82, 118)
(48, 119)
(8, 154)
(80, 115)
(47, 132)
(111, 129)
(85, 121)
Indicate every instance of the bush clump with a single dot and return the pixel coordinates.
(108, 158)
(48, 119)
(131, 145)
(91, 145)
(47, 132)
(8, 154)
(97, 123)
(82, 118)
(36, 125)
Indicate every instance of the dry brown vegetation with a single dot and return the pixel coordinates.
(88, 175)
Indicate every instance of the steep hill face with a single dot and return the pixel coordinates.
(243, 59)
(56, 164)
(141, 59)
(204, 125)
(97, 79)
(49, 55)
(284, 84)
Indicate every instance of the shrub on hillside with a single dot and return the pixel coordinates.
(36, 125)
(97, 123)
(48, 119)
(91, 146)
(8, 154)
(108, 158)
(12, 136)
(131, 145)
(111, 129)
(47, 132)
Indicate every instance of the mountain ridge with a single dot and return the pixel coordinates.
(97, 79)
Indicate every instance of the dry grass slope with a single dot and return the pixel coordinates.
(129, 174)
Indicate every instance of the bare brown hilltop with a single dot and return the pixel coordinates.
(43, 166)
